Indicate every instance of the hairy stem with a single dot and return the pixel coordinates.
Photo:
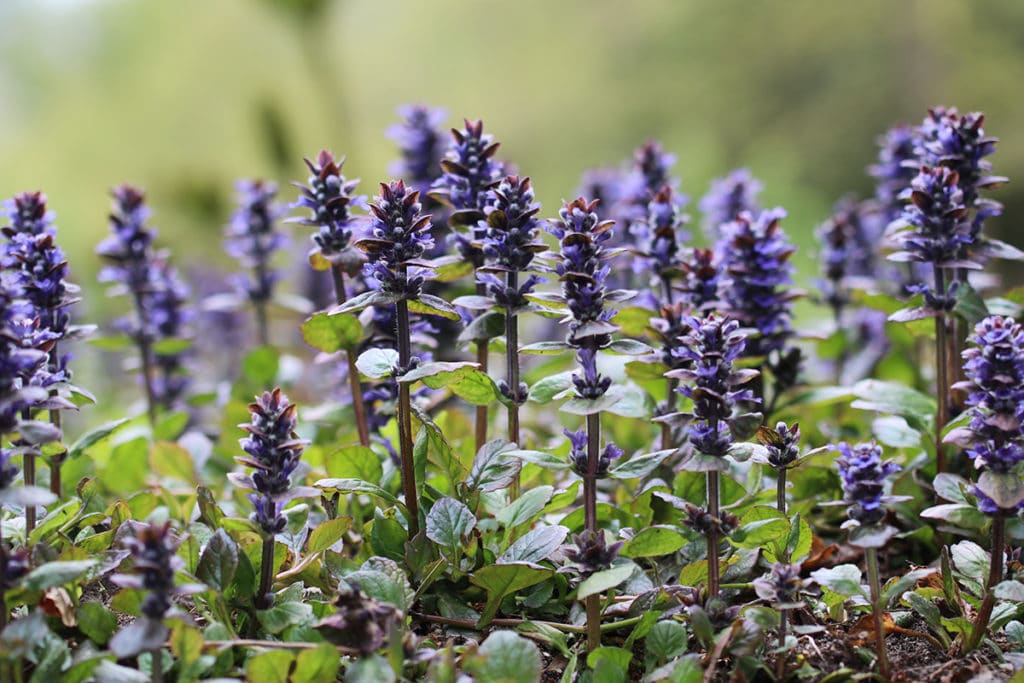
(482, 345)
(3, 594)
(592, 603)
(146, 356)
(670, 406)
(780, 490)
(57, 459)
(941, 372)
(713, 510)
(874, 580)
(28, 467)
(265, 595)
(780, 658)
(338, 275)
(157, 665)
(995, 575)
(512, 375)
(409, 488)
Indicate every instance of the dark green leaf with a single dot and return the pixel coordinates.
(535, 545)
(654, 542)
(218, 562)
(500, 580)
(449, 523)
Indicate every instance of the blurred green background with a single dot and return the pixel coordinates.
(184, 96)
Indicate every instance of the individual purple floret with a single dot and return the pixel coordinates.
(421, 142)
(398, 237)
(330, 197)
(994, 368)
(755, 254)
(273, 449)
(578, 454)
(252, 237)
(728, 198)
(710, 348)
(469, 172)
(864, 473)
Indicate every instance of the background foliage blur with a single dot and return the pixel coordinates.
(183, 97)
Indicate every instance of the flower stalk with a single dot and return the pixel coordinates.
(329, 198)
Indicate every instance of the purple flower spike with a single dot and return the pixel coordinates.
(578, 454)
(421, 143)
(994, 367)
(937, 222)
(398, 237)
(273, 448)
(34, 259)
(755, 257)
(727, 199)
(510, 240)
(329, 198)
(710, 380)
(252, 236)
(864, 473)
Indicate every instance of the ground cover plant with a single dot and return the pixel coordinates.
(520, 443)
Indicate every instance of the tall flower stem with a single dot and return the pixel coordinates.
(28, 470)
(941, 375)
(409, 488)
(715, 512)
(157, 665)
(358, 407)
(262, 324)
(995, 575)
(265, 595)
(671, 388)
(512, 373)
(3, 599)
(592, 603)
(780, 492)
(876, 608)
(58, 458)
(146, 357)
(482, 345)
(780, 658)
